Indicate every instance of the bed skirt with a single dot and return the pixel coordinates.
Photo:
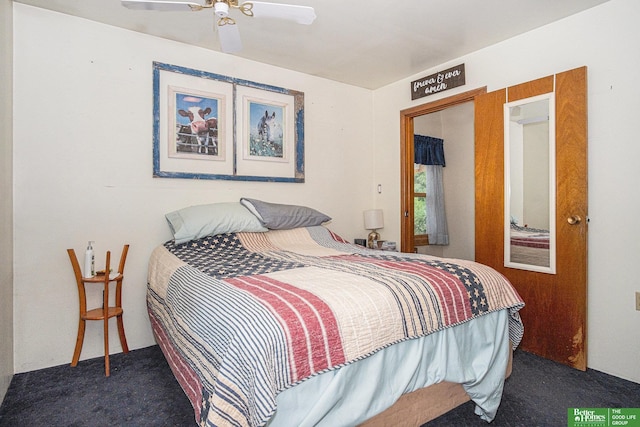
(423, 405)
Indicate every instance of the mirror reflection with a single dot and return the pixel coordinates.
(530, 184)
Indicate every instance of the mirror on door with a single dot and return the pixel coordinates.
(529, 147)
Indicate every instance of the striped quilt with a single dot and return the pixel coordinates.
(242, 317)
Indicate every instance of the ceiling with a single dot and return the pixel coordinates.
(363, 43)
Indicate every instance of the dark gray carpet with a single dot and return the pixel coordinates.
(539, 392)
(141, 391)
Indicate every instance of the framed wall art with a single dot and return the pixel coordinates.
(210, 126)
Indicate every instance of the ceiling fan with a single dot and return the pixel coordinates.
(227, 28)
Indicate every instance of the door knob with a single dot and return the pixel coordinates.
(574, 219)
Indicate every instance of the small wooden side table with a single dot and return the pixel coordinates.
(103, 313)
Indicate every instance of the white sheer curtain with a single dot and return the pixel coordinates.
(436, 217)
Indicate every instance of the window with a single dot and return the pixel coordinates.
(419, 205)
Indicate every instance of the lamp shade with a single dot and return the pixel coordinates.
(373, 219)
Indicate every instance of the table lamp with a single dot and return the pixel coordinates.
(373, 220)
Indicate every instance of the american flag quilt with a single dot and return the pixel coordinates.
(242, 317)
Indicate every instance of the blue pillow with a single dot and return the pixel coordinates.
(200, 221)
(284, 217)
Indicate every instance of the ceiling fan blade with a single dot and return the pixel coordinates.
(300, 14)
(164, 5)
(229, 36)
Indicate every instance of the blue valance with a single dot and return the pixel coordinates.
(428, 150)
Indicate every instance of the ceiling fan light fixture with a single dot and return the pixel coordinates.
(228, 32)
(221, 9)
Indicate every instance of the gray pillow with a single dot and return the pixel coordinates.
(284, 217)
(200, 221)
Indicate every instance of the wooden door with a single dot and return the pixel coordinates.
(555, 312)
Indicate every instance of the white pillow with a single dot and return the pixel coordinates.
(200, 221)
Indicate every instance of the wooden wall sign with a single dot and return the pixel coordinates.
(438, 82)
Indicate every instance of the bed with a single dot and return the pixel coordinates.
(296, 326)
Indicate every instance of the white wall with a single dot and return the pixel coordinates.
(6, 198)
(604, 39)
(82, 171)
(458, 177)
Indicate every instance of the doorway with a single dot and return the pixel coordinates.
(452, 119)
